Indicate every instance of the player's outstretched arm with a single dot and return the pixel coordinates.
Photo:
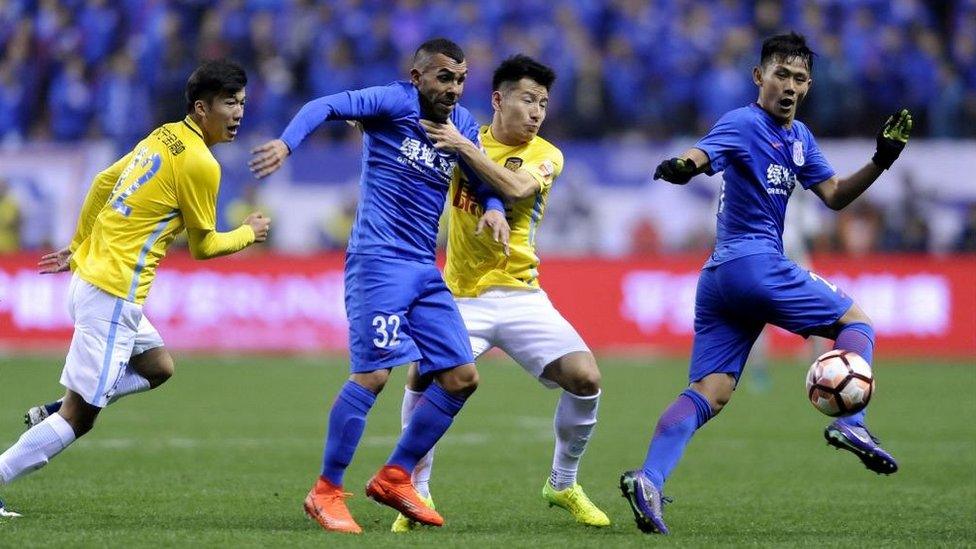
(837, 192)
(209, 244)
(513, 185)
(268, 157)
(372, 102)
(680, 170)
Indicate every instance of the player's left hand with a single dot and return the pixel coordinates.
(55, 262)
(676, 170)
(446, 136)
(892, 138)
(500, 230)
(267, 158)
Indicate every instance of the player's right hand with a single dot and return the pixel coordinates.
(55, 262)
(260, 224)
(892, 138)
(676, 170)
(267, 158)
(500, 230)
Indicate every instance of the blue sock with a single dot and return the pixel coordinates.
(859, 338)
(674, 429)
(431, 418)
(347, 420)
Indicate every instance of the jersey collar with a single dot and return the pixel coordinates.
(189, 123)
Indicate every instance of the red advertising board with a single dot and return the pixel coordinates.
(920, 305)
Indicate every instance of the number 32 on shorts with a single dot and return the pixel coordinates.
(387, 331)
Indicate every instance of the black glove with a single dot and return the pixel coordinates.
(676, 170)
(892, 139)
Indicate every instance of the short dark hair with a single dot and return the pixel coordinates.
(521, 66)
(212, 79)
(786, 46)
(440, 45)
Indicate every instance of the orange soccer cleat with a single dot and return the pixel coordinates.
(326, 504)
(391, 486)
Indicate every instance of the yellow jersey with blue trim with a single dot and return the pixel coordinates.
(476, 263)
(135, 208)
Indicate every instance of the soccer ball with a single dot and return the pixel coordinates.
(840, 383)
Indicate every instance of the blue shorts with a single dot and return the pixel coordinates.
(399, 312)
(736, 299)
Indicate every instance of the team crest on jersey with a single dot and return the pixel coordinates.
(513, 163)
(798, 157)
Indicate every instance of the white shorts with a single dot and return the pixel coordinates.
(524, 324)
(108, 332)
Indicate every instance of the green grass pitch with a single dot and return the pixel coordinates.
(224, 454)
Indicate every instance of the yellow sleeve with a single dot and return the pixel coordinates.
(98, 193)
(209, 244)
(546, 168)
(196, 192)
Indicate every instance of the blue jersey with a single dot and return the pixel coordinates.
(762, 162)
(404, 180)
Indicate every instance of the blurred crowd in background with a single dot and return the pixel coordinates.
(76, 71)
(78, 68)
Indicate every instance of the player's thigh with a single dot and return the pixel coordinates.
(802, 301)
(378, 294)
(104, 335)
(480, 316)
(535, 335)
(438, 329)
(722, 338)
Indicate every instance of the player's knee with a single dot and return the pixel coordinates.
(462, 380)
(165, 368)
(372, 381)
(717, 389)
(586, 382)
(78, 414)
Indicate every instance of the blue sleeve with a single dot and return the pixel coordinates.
(815, 168)
(484, 193)
(722, 144)
(348, 105)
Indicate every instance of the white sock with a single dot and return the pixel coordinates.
(130, 383)
(573, 424)
(421, 474)
(35, 448)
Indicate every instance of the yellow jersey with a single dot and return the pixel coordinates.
(476, 263)
(138, 205)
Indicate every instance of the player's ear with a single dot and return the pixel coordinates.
(757, 75)
(200, 107)
(496, 100)
(415, 76)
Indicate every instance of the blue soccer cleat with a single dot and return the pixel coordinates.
(860, 442)
(645, 501)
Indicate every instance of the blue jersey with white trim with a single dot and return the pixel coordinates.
(404, 179)
(762, 161)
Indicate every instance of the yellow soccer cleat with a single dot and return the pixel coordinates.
(574, 500)
(403, 525)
